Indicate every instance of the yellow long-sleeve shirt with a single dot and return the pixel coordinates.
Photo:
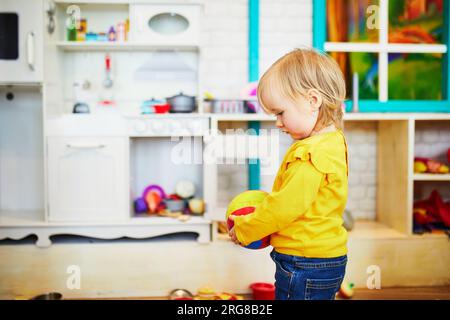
(303, 213)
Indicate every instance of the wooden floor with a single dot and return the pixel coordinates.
(425, 293)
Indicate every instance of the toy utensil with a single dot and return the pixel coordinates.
(108, 83)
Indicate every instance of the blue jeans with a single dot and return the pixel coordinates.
(300, 278)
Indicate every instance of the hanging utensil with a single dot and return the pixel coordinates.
(107, 83)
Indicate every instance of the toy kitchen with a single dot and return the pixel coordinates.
(95, 98)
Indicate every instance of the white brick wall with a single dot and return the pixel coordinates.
(432, 140)
(284, 25)
(225, 47)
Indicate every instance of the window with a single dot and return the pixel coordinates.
(397, 51)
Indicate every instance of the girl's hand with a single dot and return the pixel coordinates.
(232, 233)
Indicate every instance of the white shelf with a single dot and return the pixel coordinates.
(128, 1)
(391, 47)
(22, 218)
(242, 117)
(431, 177)
(369, 116)
(28, 218)
(349, 116)
(166, 220)
(118, 46)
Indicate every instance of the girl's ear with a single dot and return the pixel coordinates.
(315, 100)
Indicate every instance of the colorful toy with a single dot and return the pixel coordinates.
(432, 212)
(205, 293)
(228, 296)
(346, 290)
(244, 204)
(197, 206)
(156, 188)
(422, 165)
(263, 291)
(185, 189)
(140, 205)
(153, 200)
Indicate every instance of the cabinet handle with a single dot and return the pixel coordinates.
(85, 146)
(30, 50)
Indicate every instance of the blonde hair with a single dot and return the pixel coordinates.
(301, 70)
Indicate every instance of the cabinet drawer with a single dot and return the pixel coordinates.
(87, 179)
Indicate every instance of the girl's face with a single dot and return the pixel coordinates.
(297, 119)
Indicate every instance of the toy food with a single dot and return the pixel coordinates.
(197, 206)
(140, 205)
(228, 296)
(185, 189)
(244, 204)
(153, 200)
(205, 293)
(155, 188)
(346, 290)
(422, 165)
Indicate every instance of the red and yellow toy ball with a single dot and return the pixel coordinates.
(243, 204)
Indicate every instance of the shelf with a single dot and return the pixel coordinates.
(431, 177)
(149, 220)
(349, 116)
(22, 218)
(119, 46)
(373, 230)
(36, 219)
(369, 116)
(242, 117)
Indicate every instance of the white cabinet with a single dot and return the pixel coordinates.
(87, 179)
(21, 41)
(165, 24)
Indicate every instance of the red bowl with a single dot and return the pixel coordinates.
(263, 291)
(161, 108)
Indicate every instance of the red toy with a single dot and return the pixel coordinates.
(263, 291)
(432, 210)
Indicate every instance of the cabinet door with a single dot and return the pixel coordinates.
(21, 41)
(87, 179)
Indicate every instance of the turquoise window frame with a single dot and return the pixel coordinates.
(254, 165)
(319, 39)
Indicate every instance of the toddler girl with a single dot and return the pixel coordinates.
(305, 89)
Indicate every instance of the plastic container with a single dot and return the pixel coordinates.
(263, 291)
(175, 205)
(228, 106)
